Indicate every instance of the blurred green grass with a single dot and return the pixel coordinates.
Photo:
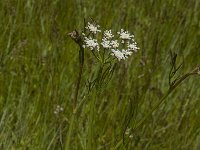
(39, 67)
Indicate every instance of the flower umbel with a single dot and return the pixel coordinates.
(121, 47)
(91, 43)
(125, 35)
(106, 43)
(114, 44)
(118, 54)
(133, 46)
(92, 28)
(58, 109)
(108, 34)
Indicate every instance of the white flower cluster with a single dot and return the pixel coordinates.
(121, 47)
(125, 35)
(128, 132)
(133, 46)
(108, 34)
(91, 43)
(92, 28)
(58, 109)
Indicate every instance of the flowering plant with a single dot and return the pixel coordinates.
(121, 46)
(108, 49)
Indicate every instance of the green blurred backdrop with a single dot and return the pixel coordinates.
(39, 68)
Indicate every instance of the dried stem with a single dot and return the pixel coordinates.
(171, 89)
(77, 38)
(173, 86)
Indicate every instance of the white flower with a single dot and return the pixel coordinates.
(92, 28)
(105, 43)
(118, 54)
(133, 46)
(131, 136)
(109, 44)
(127, 131)
(198, 72)
(91, 43)
(125, 35)
(114, 44)
(121, 54)
(108, 34)
(125, 39)
(126, 53)
(58, 109)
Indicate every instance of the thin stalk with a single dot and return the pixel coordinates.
(91, 125)
(171, 89)
(196, 71)
(72, 123)
(81, 61)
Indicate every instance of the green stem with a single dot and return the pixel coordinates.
(171, 89)
(91, 124)
(81, 61)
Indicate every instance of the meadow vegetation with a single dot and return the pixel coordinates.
(39, 68)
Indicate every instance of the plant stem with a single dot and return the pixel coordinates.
(171, 89)
(91, 124)
(81, 61)
(72, 123)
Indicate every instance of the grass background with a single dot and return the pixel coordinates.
(39, 68)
